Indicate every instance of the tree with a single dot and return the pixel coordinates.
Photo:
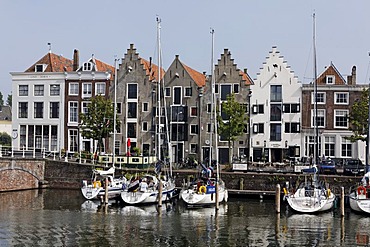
(9, 100)
(1, 99)
(5, 139)
(97, 122)
(358, 116)
(232, 122)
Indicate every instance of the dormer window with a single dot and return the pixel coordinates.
(87, 66)
(40, 67)
(330, 79)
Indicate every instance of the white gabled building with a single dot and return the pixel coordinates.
(275, 112)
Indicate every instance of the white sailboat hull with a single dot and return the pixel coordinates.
(358, 204)
(193, 197)
(149, 196)
(313, 202)
(91, 193)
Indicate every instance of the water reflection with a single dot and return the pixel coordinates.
(64, 218)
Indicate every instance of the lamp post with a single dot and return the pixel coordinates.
(177, 136)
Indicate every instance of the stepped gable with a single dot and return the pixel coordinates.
(276, 61)
(55, 63)
(224, 64)
(331, 71)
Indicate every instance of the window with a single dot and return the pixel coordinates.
(329, 146)
(39, 90)
(193, 111)
(23, 110)
(132, 110)
(346, 148)
(54, 90)
(40, 67)
(330, 79)
(276, 93)
(341, 98)
(87, 66)
(73, 140)
(73, 89)
(225, 91)
(341, 120)
(119, 108)
(209, 127)
(100, 89)
(54, 138)
(38, 109)
(236, 88)
(209, 108)
(54, 109)
(86, 90)
(257, 109)
(145, 126)
(258, 128)
(177, 96)
(291, 108)
(73, 112)
(145, 106)
(85, 107)
(275, 132)
(275, 114)
(321, 98)
(292, 127)
(188, 92)
(23, 90)
(193, 148)
(167, 92)
(194, 129)
(132, 91)
(320, 118)
(131, 130)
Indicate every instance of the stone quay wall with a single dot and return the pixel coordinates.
(18, 174)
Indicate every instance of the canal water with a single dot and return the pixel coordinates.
(64, 218)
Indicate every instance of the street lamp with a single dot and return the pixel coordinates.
(177, 136)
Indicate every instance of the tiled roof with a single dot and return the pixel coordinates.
(101, 66)
(55, 63)
(153, 72)
(331, 70)
(5, 113)
(199, 78)
(245, 77)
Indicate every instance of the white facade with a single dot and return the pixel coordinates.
(37, 110)
(275, 111)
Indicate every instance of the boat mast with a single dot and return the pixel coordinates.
(211, 147)
(158, 128)
(115, 111)
(316, 130)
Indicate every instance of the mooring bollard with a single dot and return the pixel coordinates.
(342, 202)
(277, 198)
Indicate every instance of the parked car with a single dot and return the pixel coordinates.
(353, 167)
(327, 167)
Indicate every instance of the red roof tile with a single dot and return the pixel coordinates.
(55, 63)
(153, 71)
(199, 78)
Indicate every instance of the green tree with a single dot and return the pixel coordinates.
(9, 100)
(358, 116)
(232, 122)
(97, 123)
(5, 139)
(1, 99)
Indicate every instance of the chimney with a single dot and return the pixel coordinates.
(354, 75)
(245, 71)
(76, 60)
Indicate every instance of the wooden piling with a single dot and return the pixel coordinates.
(241, 184)
(160, 189)
(342, 202)
(277, 198)
(106, 191)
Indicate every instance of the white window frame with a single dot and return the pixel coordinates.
(186, 90)
(24, 89)
(87, 66)
(318, 102)
(191, 132)
(191, 111)
(320, 113)
(191, 148)
(54, 90)
(346, 98)
(167, 92)
(73, 104)
(86, 90)
(73, 89)
(40, 89)
(143, 107)
(85, 106)
(100, 88)
(147, 127)
(340, 113)
(328, 77)
(42, 66)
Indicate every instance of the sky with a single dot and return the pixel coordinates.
(248, 28)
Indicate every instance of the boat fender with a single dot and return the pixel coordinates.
(285, 191)
(361, 190)
(97, 184)
(202, 189)
(329, 192)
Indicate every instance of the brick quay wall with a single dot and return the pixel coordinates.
(34, 173)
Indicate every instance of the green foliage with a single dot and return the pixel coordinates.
(358, 117)
(9, 100)
(5, 139)
(1, 99)
(234, 122)
(97, 123)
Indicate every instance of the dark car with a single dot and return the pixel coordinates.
(353, 167)
(327, 167)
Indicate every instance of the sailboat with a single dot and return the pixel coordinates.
(151, 188)
(206, 189)
(359, 195)
(311, 195)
